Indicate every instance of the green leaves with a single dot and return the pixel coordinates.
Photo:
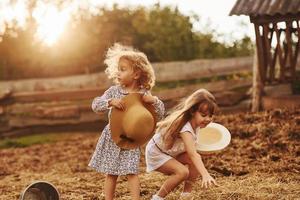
(162, 33)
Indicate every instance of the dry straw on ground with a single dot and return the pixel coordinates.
(262, 162)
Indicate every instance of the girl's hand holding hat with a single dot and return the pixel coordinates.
(148, 98)
(133, 127)
(117, 103)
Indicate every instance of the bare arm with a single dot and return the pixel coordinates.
(192, 153)
(196, 158)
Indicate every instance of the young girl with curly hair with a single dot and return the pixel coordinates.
(132, 73)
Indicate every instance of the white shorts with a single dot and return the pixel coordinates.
(154, 157)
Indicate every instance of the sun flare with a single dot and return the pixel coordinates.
(51, 22)
(51, 17)
(12, 14)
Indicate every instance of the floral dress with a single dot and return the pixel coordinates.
(108, 158)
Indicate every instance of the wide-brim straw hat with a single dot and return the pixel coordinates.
(213, 138)
(134, 126)
(40, 190)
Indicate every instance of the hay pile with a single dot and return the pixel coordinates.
(262, 162)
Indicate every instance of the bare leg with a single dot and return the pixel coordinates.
(110, 186)
(178, 174)
(193, 175)
(134, 186)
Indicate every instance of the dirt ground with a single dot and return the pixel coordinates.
(262, 162)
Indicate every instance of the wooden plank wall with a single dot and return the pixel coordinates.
(39, 105)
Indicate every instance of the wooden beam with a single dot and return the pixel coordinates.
(289, 65)
(285, 59)
(273, 62)
(89, 94)
(294, 61)
(257, 84)
(272, 66)
(265, 19)
(280, 52)
(259, 51)
(258, 64)
(201, 68)
(267, 51)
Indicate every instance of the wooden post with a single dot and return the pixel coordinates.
(258, 71)
(256, 85)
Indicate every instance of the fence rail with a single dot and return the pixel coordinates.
(165, 72)
(65, 102)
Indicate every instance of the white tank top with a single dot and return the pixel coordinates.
(178, 146)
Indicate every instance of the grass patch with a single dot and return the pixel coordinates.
(26, 141)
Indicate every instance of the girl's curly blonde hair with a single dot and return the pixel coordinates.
(138, 60)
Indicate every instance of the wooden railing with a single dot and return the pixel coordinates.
(165, 72)
(39, 105)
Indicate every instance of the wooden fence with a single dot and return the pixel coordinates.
(165, 72)
(38, 105)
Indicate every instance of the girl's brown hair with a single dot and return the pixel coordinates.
(182, 113)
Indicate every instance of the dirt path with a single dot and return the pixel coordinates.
(262, 162)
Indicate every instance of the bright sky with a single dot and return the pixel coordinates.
(214, 12)
(52, 20)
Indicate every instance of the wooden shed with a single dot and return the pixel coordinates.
(277, 31)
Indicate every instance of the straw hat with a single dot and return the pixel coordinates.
(134, 126)
(40, 190)
(213, 138)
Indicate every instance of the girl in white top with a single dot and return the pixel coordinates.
(172, 150)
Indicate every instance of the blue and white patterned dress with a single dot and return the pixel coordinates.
(108, 158)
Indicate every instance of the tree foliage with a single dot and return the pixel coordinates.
(163, 33)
